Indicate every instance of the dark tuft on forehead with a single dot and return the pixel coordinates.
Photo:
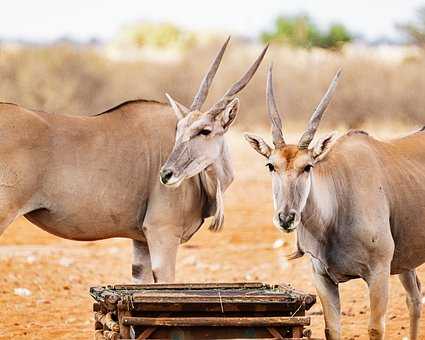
(289, 153)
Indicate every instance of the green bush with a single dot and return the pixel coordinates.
(301, 31)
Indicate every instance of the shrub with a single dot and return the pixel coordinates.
(301, 31)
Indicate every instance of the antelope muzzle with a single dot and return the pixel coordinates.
(286, 221)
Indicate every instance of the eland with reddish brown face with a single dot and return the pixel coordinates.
(91, 178)
(358, 206)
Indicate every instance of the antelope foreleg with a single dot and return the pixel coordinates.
(378, 282)
(163, 244)
(329, 297)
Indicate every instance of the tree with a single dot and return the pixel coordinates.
(301, 31)
(415, 31)
(336, 37)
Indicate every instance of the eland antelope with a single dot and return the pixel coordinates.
(358, 206)
(96, 177)
(200, 148)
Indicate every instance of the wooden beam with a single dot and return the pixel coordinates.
(276, 321)
(191, 286)
(146, 333)
(216, 298)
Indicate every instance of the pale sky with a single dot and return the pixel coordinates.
(83, 19)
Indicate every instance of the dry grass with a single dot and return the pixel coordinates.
(73, 80)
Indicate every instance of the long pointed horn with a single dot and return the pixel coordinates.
(313, 124)
(273, 112)
(238, 86)
(202, 93)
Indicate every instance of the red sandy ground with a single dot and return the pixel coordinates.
(59, 272)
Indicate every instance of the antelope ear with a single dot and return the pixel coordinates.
(179, 109)
(321, 147)
(229, 114)
(258, 144)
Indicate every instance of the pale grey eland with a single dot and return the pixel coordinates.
(358, 206)
(96, 177)
(200, 148)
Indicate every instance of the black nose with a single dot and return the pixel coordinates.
(286, 220)
(165, 175)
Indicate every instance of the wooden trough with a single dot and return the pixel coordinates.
(201, 311)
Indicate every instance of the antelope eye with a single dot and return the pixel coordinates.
(205, 132)
(308, 167)
(270, 166)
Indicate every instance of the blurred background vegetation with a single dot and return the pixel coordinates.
(415, 29)
(160, 36)
(301, 31)
(145, 60)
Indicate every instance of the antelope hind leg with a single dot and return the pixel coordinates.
(141, 269)
(412, 286)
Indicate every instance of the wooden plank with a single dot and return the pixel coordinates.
(206, 293)
(191, 286)
(283, 308)
(123, 313)
(275, 333)
(146, 333)
(107, 321)
(184, 299)
(276, 321)
(241, 293)
(272, 339)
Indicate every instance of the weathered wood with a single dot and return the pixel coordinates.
(107, 321)
(123, 312)
(275, 333)
(297, 332)
(199, 293)
(110, 335)
(207, 311)
(283, 309)
(192, 286)
(216, 321)
(146, 333)
(218, 298)
(98, 335)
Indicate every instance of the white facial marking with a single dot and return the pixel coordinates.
(305, 193)
(278, 197)
(324, 200)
